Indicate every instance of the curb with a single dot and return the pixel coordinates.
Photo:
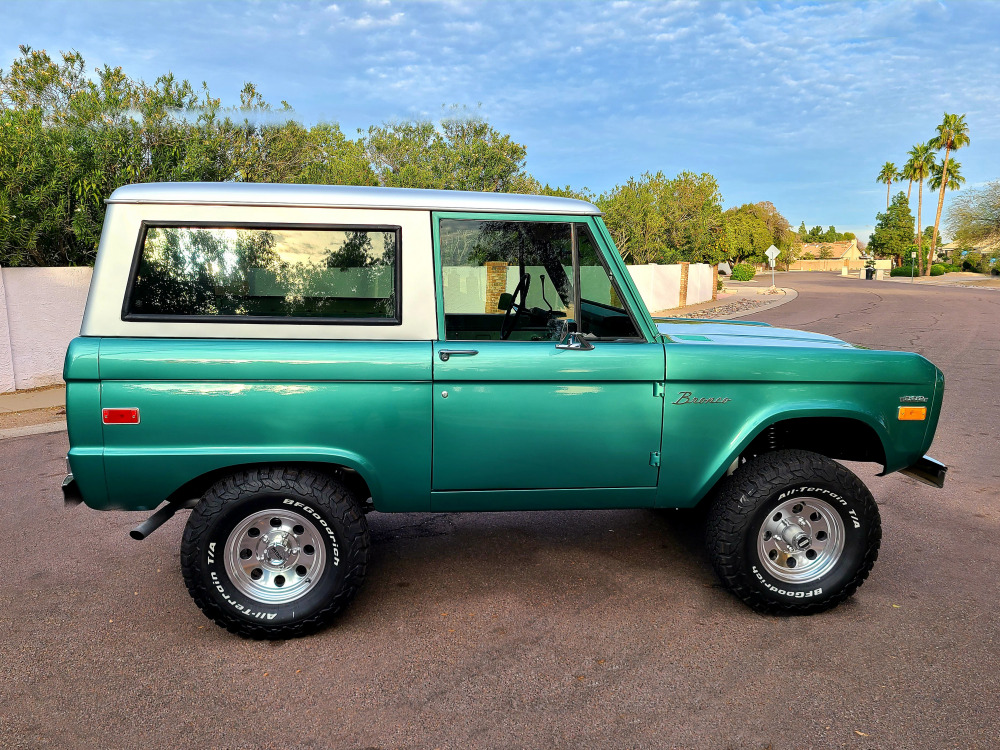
(34, 429)
(788, 296)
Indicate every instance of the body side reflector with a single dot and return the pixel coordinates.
(120, 416)
(912, 413)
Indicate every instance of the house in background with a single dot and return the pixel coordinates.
(844, 254)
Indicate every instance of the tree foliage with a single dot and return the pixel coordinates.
(974, 218)
(893, 235)
(68, 139)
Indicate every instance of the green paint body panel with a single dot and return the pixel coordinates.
(83, 419)
(206, 405)
(557, 419)
(524, 425)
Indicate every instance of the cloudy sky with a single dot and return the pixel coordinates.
(796, 103)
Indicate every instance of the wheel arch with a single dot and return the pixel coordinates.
(837, 433)
(355, 480)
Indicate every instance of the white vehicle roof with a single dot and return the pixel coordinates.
(340, 196)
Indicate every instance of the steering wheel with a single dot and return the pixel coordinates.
(509, 322)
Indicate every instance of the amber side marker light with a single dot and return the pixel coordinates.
(912, 413)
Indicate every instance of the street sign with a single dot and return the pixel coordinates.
(772, 253)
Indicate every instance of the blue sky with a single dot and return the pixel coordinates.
(796, 103)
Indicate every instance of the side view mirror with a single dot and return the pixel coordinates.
(505, 301)
(572, 339)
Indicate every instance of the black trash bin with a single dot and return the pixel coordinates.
(869, 273)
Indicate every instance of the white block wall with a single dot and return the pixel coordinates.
(699, 283)
(40, 312)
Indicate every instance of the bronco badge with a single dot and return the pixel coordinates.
(685, 397)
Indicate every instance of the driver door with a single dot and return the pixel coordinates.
(519, 412)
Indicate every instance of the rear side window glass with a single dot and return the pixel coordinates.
(262, 274)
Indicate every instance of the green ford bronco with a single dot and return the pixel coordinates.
(283, 359)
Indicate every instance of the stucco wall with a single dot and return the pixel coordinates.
(6, 356)
(660, 286)
(40, 312)
(700, 283)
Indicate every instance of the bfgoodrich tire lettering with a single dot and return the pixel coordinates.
(793, 532)
(275, 552)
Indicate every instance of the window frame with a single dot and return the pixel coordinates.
(624, 290)
(145, 225)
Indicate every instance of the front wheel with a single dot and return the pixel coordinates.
(275, 552)
(793, 532)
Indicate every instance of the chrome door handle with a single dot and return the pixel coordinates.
(446, 354)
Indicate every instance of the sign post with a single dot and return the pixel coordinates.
(913, 257)
(772, 255)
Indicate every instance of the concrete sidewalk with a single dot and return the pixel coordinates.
(32, 412)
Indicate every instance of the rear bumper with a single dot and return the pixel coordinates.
(928, 471)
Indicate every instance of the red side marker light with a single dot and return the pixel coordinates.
(121, 416)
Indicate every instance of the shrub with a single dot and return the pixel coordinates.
(743, 272)
(903, 271)
(937, 270)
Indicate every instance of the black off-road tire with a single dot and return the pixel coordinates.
(793, 491)
(307, 541)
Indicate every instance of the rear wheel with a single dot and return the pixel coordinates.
(793, 532)
(275, 552)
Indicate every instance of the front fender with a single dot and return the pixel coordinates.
(701, 440)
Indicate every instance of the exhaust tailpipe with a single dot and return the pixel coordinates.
(154, 522)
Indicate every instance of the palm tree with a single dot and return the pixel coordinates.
(955, 179)
(907, 173)
(888, 175)
(953, 134)
(918, 169)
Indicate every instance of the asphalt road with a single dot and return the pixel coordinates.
(549, 630)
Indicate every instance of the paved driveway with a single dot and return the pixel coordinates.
(575, 629)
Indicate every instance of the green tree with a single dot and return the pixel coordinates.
(462, 152)
(952, 134)
(887, 175)
(919, 166)
(633, 216)
(745, 234)
(691, 205)
(893, 234)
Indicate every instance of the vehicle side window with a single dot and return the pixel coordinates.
(506, 280)
(513, 281)
(602, 313)
(330, 275)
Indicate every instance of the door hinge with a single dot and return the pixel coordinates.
(654, 458)
(658, 390)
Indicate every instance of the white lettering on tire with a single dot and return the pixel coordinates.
(783, 592)
(322, 522)
(260, 615)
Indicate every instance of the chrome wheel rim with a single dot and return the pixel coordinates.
(275, 556)
(801, 540)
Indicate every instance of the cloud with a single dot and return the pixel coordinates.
(768, 96)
